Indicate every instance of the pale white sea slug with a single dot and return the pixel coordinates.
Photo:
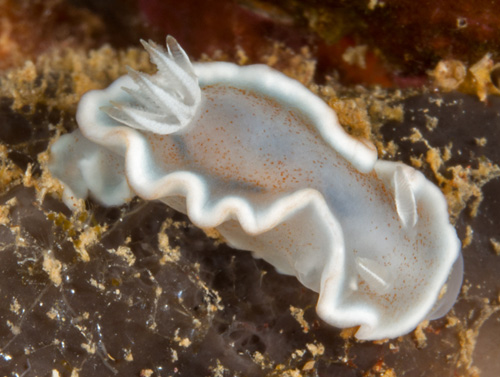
(256, 155)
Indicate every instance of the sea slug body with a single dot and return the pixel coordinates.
(256, 155)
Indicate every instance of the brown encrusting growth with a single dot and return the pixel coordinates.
(57, 25)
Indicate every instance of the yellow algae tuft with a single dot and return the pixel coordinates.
(300, 67)
(88, 237)
(5, 210)
(353, 113)
(77, 72)
(128, 355)
(291, 373)
(14, 329)
(356, 55)
(169, 254)
(464, 188)
(496, 245)
(419, 334)
(431, 122)
(261, 360)
(78, 230)
(126, 253)
(480, 78)
(219, 370)
(363, 114)
(468, 337)
(480, 141)
(448, 74)
(309, 365)
(15, 307)
(298, 314)
(349, 332)
(146, 373)
(316, 349)
(10, 174)
(469, 234)
(52, 267)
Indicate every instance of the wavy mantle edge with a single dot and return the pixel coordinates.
(132, 145)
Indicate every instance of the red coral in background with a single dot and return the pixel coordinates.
(213, 25)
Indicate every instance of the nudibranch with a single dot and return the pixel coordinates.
(257, 156)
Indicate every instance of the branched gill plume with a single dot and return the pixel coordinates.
(164, 102)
